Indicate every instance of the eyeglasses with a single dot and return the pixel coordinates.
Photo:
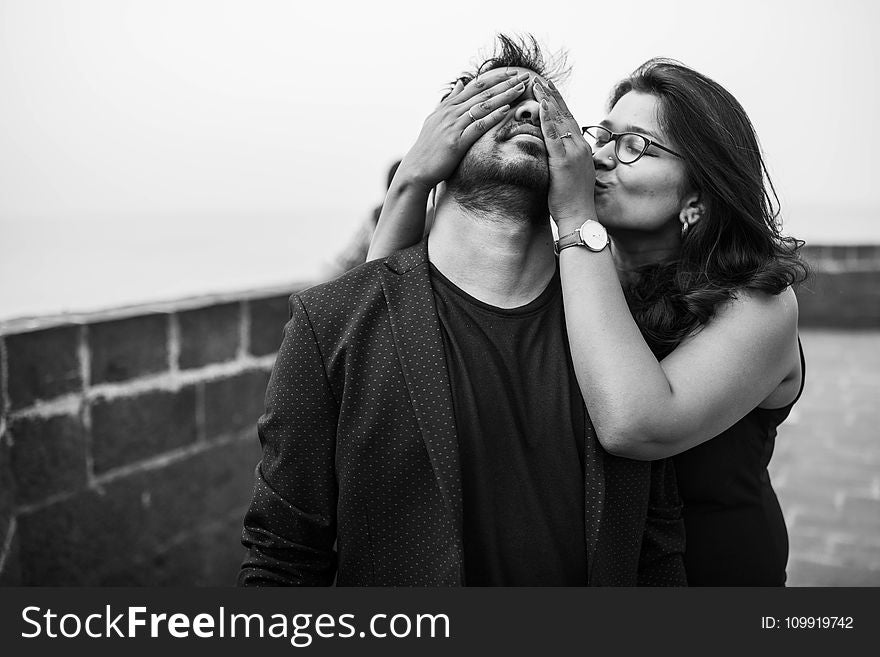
(628, 146)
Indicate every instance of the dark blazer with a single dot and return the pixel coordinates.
(360, 448)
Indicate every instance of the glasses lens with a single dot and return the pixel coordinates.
(630, 147)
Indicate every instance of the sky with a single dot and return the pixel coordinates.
(154, 149)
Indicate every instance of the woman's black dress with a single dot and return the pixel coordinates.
(735, 531)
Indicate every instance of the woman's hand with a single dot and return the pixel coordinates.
(572, 175)
(460, 119)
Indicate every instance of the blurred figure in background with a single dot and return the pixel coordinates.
(355, 253)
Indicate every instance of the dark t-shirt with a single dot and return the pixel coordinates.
(520, 421)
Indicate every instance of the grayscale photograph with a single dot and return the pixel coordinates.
(496, 294)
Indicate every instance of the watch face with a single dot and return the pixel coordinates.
(594, 235)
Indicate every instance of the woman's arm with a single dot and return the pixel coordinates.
(465, 115)
(643, 408)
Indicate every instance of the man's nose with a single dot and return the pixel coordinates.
(528, 110)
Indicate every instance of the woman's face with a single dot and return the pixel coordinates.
(646, 195)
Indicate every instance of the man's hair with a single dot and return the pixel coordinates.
(520, 52)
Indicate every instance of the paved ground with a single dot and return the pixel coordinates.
(826, 468)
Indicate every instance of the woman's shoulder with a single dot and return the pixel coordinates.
(756, 309)
(771, 319)
(752, 329)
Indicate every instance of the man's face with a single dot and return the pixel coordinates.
(511, 153)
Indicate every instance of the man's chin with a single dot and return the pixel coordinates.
(531, 172)
(525, 165)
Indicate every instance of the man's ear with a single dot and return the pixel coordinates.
(692, 209)
(434, 198)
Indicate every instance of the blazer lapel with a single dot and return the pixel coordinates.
(416, 330)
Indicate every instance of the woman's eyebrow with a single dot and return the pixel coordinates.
(631, 128)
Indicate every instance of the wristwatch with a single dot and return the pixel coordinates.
(590, 234)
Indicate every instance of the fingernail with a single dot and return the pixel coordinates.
(523, 76)
(551, 85)
(544, 104)
(504, 108)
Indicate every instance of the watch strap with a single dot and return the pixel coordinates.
(571, 239)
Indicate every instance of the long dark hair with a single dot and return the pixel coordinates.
(738, 244)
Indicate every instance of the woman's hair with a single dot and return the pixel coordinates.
(737, 245)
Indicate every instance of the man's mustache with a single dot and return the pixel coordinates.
(517, 128)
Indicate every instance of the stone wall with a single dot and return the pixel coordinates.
(128, 442)
(845, 289)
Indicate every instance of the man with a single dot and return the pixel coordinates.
(424, 426)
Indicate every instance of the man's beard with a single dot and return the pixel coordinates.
(490, 187)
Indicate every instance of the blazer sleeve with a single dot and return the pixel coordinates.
(661, 561)
(290, 527)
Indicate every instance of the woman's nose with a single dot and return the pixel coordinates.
(604, 157)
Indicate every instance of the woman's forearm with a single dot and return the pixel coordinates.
(646, 409)
(402, 220)
(624, 386)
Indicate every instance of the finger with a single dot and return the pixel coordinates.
(484, 82)
(450, 97)
(556, 121)
(560, 101)
(565, 123)
(479, 127)
(456, 89)
(552, 128)
(486, 102)
(558, 105)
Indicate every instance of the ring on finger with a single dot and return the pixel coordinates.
(470, 114)
(567, 135)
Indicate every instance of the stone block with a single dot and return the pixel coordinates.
(48, 456)
(128, 429)
(209, 335)
(203, 488)
(71, 542)
(128, 348)
(210, 556)
(43, 365)
(233, 405)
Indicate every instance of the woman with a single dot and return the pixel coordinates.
(684, 334)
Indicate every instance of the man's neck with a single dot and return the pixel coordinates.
(503, 262)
